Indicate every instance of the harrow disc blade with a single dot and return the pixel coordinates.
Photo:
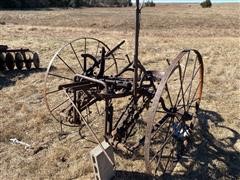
(36, 60)
(10, 61)
(2, 62)
(19, 60)
(28, 63)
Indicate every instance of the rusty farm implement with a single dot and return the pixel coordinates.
(139, 112)
(11, 57)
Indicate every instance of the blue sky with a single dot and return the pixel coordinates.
(191, 1)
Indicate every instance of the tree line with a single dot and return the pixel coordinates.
(30, 4)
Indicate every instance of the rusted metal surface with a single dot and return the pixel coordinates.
(85, 79)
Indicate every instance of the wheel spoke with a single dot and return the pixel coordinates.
(109, 67)
(178, 93)
(76, 55)
(167, 138)
(191, 81)
(160, 156)
(59, 76)
(170, 99)
(59, 105)
(189, 84)
(181, 87)
(169, 158)
(159, 125)
(195, 93)
(185, 68)
(159, 165)
(163, 145)
(66, 64)
(97, 109)
(182, 77)
(51, 92)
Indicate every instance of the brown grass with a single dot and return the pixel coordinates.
(166, 30)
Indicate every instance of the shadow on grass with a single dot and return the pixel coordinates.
(211, 158)
(131, 175)
(9, 78)
(214, 158)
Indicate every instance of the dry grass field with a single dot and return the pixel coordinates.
(166, 30)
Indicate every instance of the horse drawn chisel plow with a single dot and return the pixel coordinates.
(136, 110)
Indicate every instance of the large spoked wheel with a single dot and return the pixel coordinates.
(74, 58)
(77, 57)
(172, 111)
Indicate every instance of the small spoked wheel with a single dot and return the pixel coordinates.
(172, 112)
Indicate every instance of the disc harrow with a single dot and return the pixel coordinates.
(142, 113)
(11, 57)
